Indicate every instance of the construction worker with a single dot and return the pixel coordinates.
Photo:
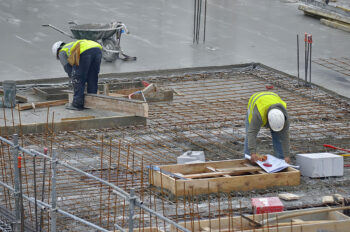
(267, 109)
(81, 60)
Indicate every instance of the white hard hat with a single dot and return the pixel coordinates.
(56, 46)
(276, 119)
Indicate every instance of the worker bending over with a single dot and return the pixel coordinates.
(267, 109)
(81, 60)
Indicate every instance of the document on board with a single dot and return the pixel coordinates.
(276, 164)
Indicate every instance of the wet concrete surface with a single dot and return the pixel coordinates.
(161, 32)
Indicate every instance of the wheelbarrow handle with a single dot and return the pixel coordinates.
(59, 30)
(111, 51)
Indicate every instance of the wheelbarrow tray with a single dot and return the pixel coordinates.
(92, 31)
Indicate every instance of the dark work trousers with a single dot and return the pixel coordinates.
(86, 72)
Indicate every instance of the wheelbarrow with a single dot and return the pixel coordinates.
(108, 35)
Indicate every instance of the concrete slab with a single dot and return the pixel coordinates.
(161, 36)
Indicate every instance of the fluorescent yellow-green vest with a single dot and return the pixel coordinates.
(84, 45)
(263, 100)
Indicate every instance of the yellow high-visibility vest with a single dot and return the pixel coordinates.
(263, 100)
(84, 45)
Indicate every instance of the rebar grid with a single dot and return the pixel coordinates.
(207, 114)
(340, 64)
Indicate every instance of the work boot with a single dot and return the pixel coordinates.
(71, 107)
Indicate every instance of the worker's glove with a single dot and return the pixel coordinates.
(257, 157)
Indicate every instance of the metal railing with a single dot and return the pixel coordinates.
(133, 200)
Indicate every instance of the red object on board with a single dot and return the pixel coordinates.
(267, 205)
(267, 165)
(145, 83)
(269, 86)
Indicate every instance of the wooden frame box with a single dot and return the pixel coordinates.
(245, 177)
(326, 221)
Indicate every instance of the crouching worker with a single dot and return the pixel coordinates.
(267, 109)
(81, 60)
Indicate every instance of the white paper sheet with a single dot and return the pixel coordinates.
(277, 164)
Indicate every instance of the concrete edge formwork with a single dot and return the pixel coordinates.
(114, 104)
(144, 75)
(74, 125)
(302, 81)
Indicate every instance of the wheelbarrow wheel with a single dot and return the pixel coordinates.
(110, 45)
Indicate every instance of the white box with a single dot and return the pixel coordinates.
(320, 164)
(191, 157)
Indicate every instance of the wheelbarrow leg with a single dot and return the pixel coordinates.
(126, 57)
(109, 53)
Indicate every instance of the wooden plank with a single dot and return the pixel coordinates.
(222, 172)
(335, 24)
(324, 14)
(117, 95)
(201, 167)
(298, 214)
(77, 118)
(160, 179)
(51, 93)
(28, 106)
(39, 92)
(240, 183)
(19, 97)
(336, 215)
(95, 123)
(109, 103)
(301, 222)
(343, 8)
(240, 169)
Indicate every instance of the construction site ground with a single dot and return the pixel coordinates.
(207, 114)
(161, 34)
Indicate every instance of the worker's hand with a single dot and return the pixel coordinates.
(287, 159)
(254, 157)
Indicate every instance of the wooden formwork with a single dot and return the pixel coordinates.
(115, 104)
(219, 176)
(334, 221)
